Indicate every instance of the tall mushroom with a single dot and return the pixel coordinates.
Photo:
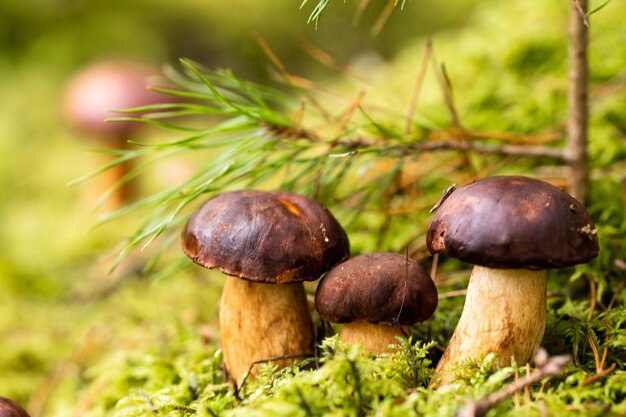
(512, 229)
(105, 85)
(9, 408)
(264, 238)
(374, 295)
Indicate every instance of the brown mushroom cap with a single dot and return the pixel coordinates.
(103, 86)
(377, 288)
(262, 236)
(9, 408)
(513, 222)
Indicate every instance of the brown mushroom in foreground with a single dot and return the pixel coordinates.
(512, 229)
(374, 295)
(87, 102)
(264, 238)
(9, 408)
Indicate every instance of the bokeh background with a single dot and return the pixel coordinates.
(59, 308)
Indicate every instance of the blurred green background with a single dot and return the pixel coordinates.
(58, 306)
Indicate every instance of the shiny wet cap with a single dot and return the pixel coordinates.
(513, 222)
(377, 288)
(9, 408)
(263, 236)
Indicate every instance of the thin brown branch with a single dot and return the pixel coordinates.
(296, 121)
(622, 266)
(594, 349)
(360, 11)
(516, 401)
(592, 297)
(581, 12)
(433, 268)
(605, 352)
(546, 366)
(291, 79)
(599, 375)
(260, 361)
(419, 82)
(513, 150)
(350, 111)
(526, 388)
(356, 143)
(506, 136)
(578, 106)
(450, 294)
(383, 17)
(448, 95)
(327, 60)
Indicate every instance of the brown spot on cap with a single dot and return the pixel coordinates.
(9, 408)
(513, 222)
(289, 206)
(262, 236)
(378, 288)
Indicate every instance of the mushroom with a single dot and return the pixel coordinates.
(110, 84)
(512, 229)
(9, 408)
(264, 238)
(374, 295)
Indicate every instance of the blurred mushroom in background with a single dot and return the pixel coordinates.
(90, 98)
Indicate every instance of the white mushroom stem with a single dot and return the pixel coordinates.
(374, 338)
(262, 322)
(504, 313)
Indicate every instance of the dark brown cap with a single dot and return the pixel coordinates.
(262, 236)
(513, 222)
(377, 288)
(9, 408)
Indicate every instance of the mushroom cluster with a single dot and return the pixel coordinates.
(513, 229)
(268, 243)
(376, 296)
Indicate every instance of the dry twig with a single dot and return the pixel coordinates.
(578, 106)
(546, 366)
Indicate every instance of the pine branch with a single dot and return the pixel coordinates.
(257, 141)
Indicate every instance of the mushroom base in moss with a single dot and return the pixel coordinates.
(261, 322)
(504, 313)
(375, 338)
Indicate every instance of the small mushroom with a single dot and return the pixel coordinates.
(512, 229)
(262, 239)
(9, 408)
(374, 295)
(88, 100)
